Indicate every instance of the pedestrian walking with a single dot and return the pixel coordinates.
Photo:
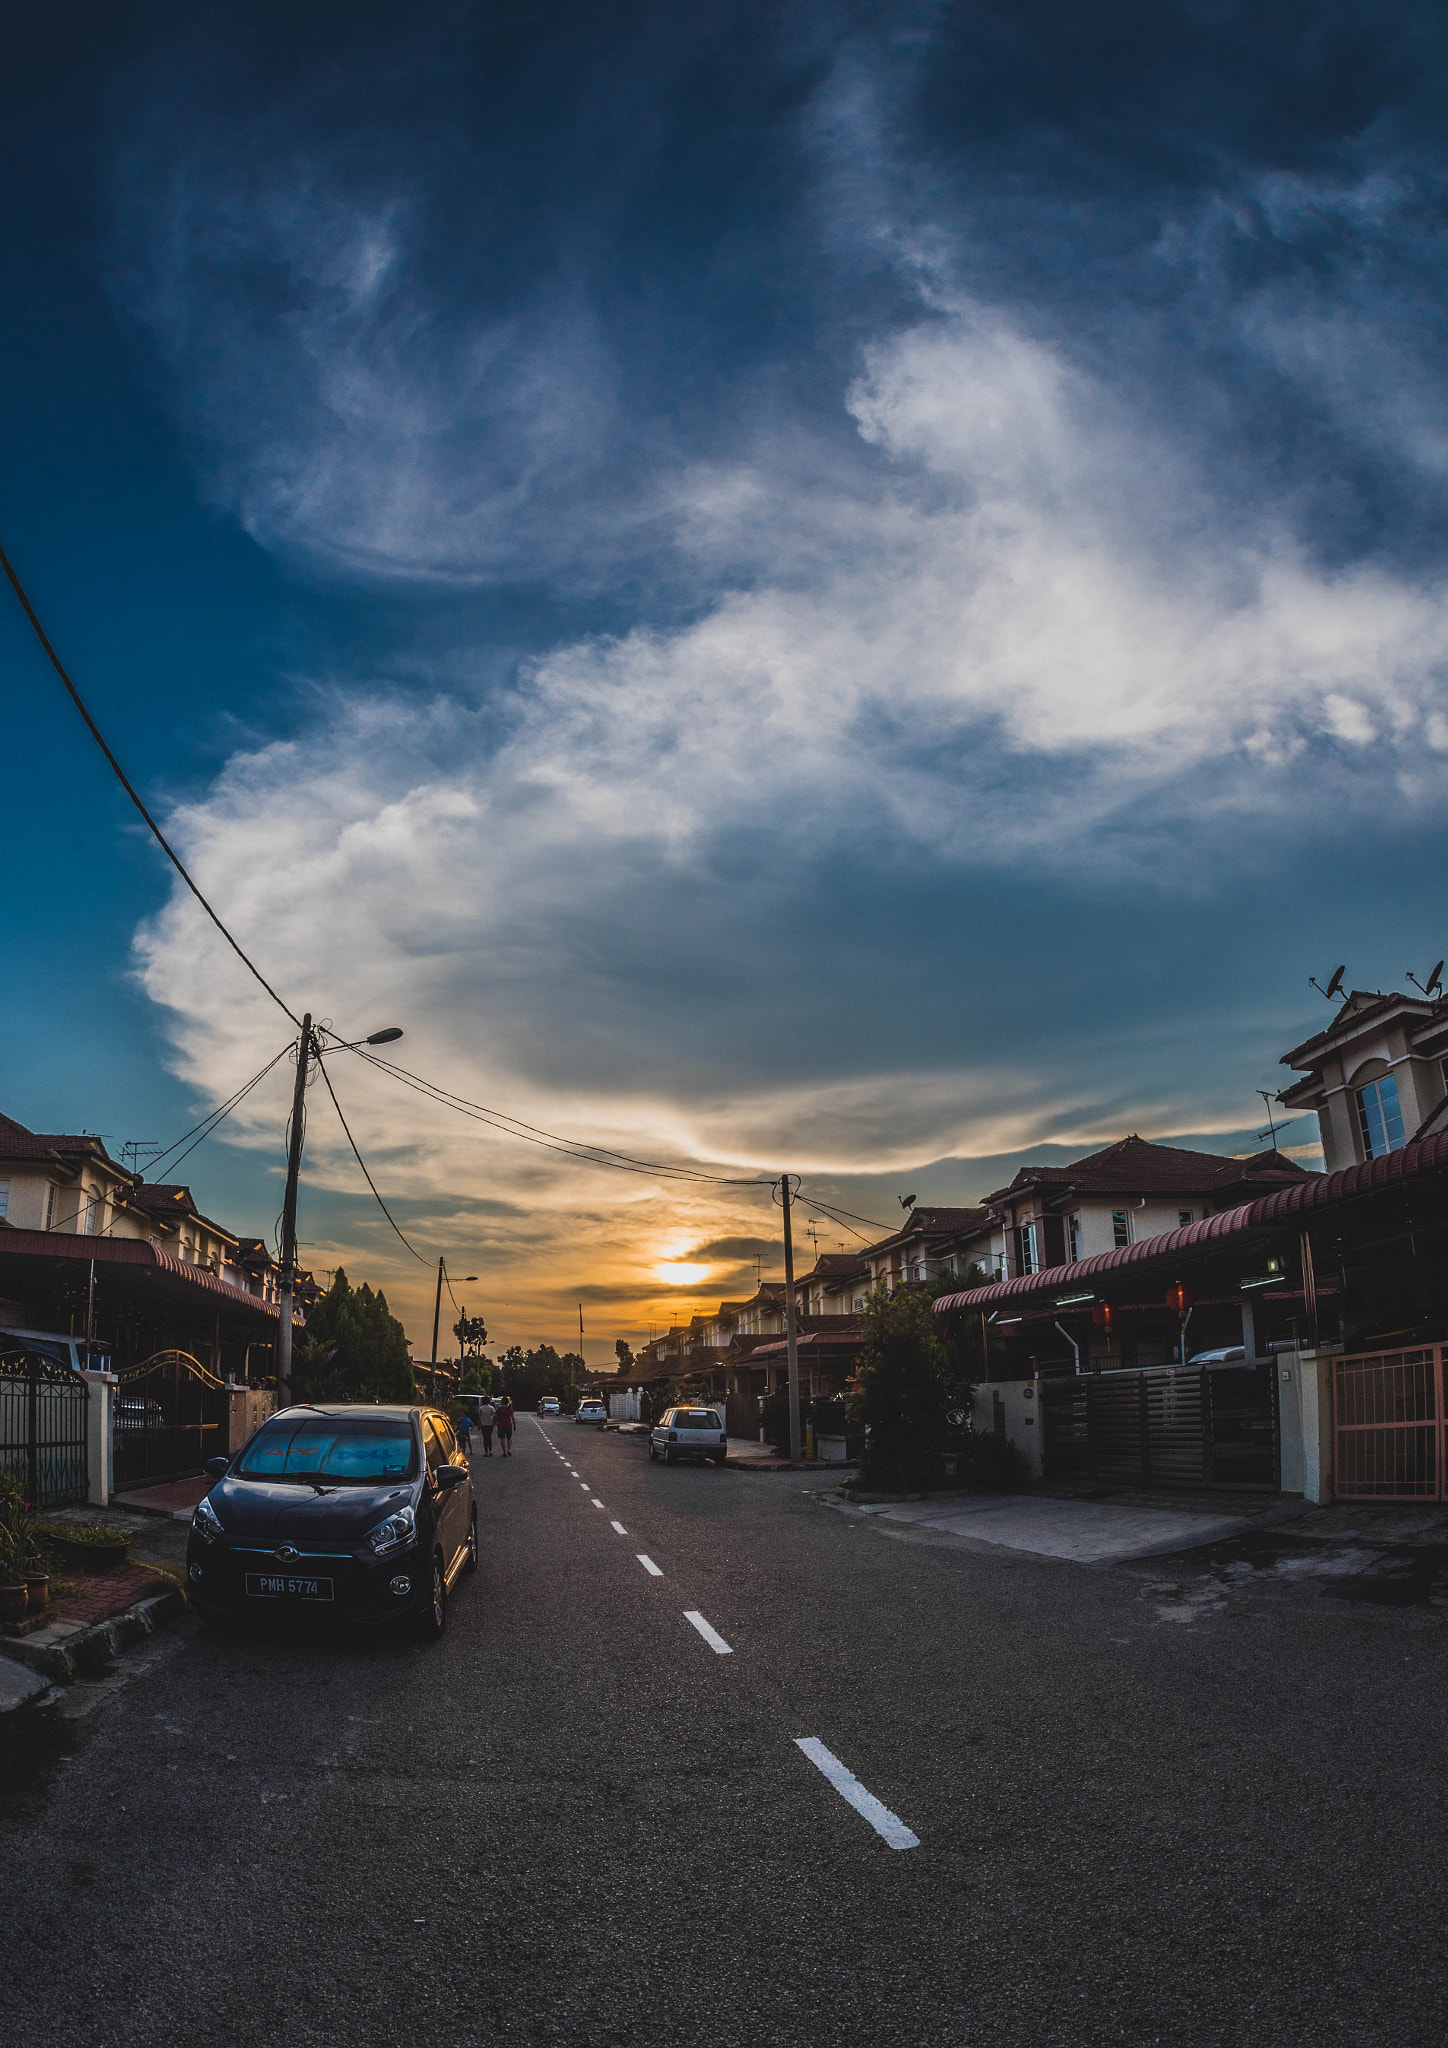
(504, 1421)
(487, 1413)
(464, 1429)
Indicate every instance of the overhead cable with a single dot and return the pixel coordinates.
(573, 1148)
(327, 1079)
(161, 840)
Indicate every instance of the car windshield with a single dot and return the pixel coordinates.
(338, 1449)
(696, 1418)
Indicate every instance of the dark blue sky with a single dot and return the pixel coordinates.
(832, 585)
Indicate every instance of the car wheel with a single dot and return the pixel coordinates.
(653, 1454)
(470, 1563)
(669, 1455)
(432, 1619)
(721, 1457)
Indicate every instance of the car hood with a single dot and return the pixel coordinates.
(258, 1507)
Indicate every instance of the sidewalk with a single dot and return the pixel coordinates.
(1083, 1531)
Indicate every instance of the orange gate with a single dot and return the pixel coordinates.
(1388, 1424)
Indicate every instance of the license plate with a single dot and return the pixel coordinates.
(282, 1586)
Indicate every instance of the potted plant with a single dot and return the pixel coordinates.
(86, 1547)
(14, 1548)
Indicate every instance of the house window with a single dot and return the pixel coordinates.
(50, 1194)
(89, 1225)
(1184, 1217)
(1073, 1238)
(1027, 1255)
(1120, 1231)
(4, 1198)
(1380, 1119)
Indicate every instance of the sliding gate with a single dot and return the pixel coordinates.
(170, 1418)
(1175, 1426)
(1388, 1425)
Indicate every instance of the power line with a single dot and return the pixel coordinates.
(327, 1081)
(95, 732)
(214, 1118)
(514, 1127)
(885, 1229)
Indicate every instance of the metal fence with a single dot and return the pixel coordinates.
(1388, 1425)
(1182, 1427)
(43, 1411)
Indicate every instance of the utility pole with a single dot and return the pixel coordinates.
(289, 1218)
(791, 1330)
(437, 1316)
(580, 1340)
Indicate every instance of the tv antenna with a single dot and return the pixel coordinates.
(759, 1269)
(1268, 1098)
(812, 1232)
(1433, 986)
(139, 1152)
(1334, 987)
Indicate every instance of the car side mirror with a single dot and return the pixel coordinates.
(449, 1476)
(216, 1467)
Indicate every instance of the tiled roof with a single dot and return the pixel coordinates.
(1133, 1166)
(1362, 1007)
(16, 1142)
(1274, 1205)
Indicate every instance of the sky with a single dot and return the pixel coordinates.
(837, 588)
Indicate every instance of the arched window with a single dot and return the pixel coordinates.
(1379, 1114)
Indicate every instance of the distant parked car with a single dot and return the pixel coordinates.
(548, 1405)
(591, 1411)
(689, 1433)
(1226, 1354)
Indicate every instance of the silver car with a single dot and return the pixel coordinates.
(591, 1411)
(689, 1433)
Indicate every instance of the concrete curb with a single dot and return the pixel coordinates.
(68, 1650)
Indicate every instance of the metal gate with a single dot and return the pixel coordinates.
(1388, 1425)
(170, 1418)
(43, 1408)
(1171, 1427)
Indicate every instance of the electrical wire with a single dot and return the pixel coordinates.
(514, 1127)
(885, 1229)
(843, 1225)
(212, 1119)
(95, 732)
(327, 1080)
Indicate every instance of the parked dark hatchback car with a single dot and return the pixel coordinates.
(360, 1513)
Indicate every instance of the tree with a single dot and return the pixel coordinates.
(353, 1349)
(903, 1399)
(623, 1354)
(471, 1333)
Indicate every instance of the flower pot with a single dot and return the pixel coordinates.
(14, 1600)
(88, 1557)
(37, 1585)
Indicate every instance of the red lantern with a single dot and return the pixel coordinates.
(1179, 1297)
(1101, 1316)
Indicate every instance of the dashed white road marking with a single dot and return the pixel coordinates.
(886, 1824)
(598, 1503)
(620, 1528)
(711, 1636)
(654, 1573)
(584, 1484)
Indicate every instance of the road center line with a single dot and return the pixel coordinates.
(651, 1568)
(885, 1823)
(620, 1528)
(711, 1636)
(598, 1503)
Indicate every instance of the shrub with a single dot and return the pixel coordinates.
(992, 1463)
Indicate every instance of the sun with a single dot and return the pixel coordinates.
(679, 1273)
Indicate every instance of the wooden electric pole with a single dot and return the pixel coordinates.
(791, 1328)
(289, 1217)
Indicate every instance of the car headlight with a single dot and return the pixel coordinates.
(391, 1535)
(206, 1522)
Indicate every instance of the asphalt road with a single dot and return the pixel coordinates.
(1140, 1819)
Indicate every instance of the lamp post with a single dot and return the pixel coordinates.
(307, 1050)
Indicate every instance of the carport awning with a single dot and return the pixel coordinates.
(1297, 1204)
(42, 1256)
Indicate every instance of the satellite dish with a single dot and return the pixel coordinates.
(907, 1201)
(1433, 986)
(1334, 987)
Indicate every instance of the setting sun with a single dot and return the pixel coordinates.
(679, 1273)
